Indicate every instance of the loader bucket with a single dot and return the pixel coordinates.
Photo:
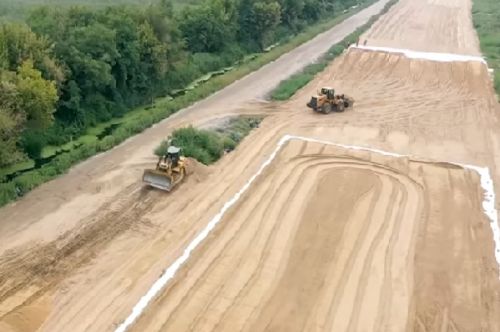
(313, 103)
(157, 180)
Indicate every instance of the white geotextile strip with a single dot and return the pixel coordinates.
(488, 206)
(433, 56)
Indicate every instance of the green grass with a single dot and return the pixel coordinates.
(51, 150)
(287, 88)
(16, 167)
(486, 17)
(141, 118)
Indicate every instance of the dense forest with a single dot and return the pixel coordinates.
(67, 69)
(11, 10)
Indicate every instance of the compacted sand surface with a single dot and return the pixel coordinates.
(325, 239)
(335, 240)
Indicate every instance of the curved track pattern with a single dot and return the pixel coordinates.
(326, 239)
(332, 262)
(268, 269)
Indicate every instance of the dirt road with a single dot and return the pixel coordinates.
(325, 239)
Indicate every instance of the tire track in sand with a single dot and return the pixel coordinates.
(241, 308)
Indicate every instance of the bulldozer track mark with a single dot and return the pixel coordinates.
(365, 273)
(424, 258)
(48, 264)
(303, 159)
(247, 287)
(398, 195)
(244, 224)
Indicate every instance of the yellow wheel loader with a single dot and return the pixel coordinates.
(170, 170)
(327, 101)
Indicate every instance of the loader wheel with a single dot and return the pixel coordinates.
(326, 108)
(340, 107)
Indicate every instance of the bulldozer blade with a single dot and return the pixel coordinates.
(157, 180)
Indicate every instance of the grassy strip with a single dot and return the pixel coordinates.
(208, 146)
(142, 118)
(486, 18)
(288, 87)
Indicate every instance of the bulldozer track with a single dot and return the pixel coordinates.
(45, 265)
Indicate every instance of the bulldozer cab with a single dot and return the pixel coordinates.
(169, 171)
(170, 159)
(173, 154)
(328, 92)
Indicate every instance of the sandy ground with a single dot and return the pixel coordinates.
(326, 239)
(332, 240)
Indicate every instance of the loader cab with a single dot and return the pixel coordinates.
(328, 92)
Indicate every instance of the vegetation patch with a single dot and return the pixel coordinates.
(486, 17)
(288, 87)
(20, 9)
(209, 145)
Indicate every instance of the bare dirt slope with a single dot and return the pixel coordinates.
(326, 239)
(332, 240)
(413, 24)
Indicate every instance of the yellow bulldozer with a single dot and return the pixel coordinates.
(327, 101)
(169, 171)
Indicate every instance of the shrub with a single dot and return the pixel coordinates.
(32, 144)
(48, 172)
(287, 88)
(106, 143)
(204, 145)
(207, 146)
(7, 192)
(336, 50)
(59, 164)
(207, 62)
(59, 133)
(161, 150)
(199, 154)
(27, 181)
(230, 143)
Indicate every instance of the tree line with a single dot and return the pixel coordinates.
(65, 70)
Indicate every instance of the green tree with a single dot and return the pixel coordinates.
(9, 131)
(313, 10)
(209, 28)
(291, 11)
(18, 44)
(27, 104)
(114, 58)
(266, 17)
(36, 96)
(10, 123)
(153, 53)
